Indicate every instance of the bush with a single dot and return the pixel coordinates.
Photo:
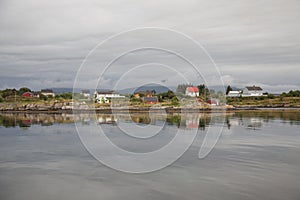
(175, 101)
(291, 93)
(259, 98)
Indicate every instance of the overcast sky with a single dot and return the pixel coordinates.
(43, 43)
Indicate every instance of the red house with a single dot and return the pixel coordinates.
(27, 94)
(192, 91)
(214, 102)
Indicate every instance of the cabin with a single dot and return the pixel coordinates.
(213, 102)
(150, 100)
(27, 94)
(252, 91)
(146, 93)
(47, 92)
(31, 94)
(192, 91)
(36, 94)
(105, 96)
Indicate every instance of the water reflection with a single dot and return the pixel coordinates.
(245, 164)
(248, 120)
(25, 120)
(254, 123)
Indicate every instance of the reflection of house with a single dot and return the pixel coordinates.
(150, 100)
(47, 92)
(192, 121)
(252, 91)
(252, 123)
(106, 120)
(105, 96)
(192, 91)
(213, 102)
(26, 122)
(86, 93)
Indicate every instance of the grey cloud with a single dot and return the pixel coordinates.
(253, 42)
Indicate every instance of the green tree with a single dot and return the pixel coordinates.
(23, 90)
(8, 92)
(175, 101)
(202, 89)
(166, 95)
(228, 89)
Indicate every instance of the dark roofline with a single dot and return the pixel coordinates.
(254, 87)
(107, 92)
(47, 90)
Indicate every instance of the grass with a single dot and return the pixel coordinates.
(265, 101)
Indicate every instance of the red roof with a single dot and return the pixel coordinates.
(192, 89)
(27, 94)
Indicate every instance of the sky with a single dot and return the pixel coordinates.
(44, 43)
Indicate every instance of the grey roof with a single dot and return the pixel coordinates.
(107, 92)
(254, 88)
(47, 90)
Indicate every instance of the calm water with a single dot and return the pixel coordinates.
(256, 157)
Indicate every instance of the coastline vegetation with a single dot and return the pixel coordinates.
(11, 99)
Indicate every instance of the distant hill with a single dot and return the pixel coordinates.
(149, 87)
(156, 87)
(64, 90)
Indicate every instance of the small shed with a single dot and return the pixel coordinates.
(150, 100)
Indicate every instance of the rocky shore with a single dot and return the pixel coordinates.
(69, 107)
(61, 107)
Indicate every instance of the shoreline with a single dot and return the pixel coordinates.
(168, 110)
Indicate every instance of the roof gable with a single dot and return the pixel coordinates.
(192, 89)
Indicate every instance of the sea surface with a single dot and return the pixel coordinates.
(256, 156)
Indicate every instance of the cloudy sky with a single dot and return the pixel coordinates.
(43, 43)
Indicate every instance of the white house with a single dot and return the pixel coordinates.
(105, 96)
(47, 92)
(252, 91)
(234, 93)
(192, 91)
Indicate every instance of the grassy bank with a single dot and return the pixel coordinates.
(264, 101)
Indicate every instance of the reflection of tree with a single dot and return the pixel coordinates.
(204, 122)
(292, 117)
(174, 120)
(228, 122)
(250, 119)
(26, 120)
